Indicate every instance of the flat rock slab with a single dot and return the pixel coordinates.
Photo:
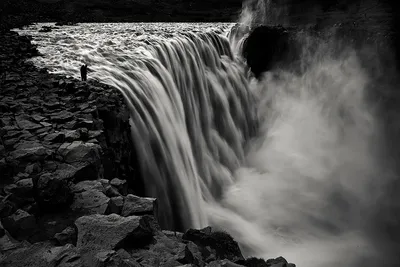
(30, 151)
(79, 151)
(104, 232)
(135, 205)
(91, 201)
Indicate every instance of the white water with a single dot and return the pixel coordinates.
(303, 186)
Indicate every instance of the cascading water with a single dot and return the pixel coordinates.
(286, 164)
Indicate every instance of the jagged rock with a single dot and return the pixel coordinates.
(115, 205)
(2, 231)
(80, 152)
(225, 246)
(95, 134)
(7, 243)
(24, 187)
(33, 168)
(52, 193)
(279, 262)
(30, 151)
(67, 236)
(89, 198)
(193, 255)
(62, 116)
(111, 191)
(45, 124)
(77, 172)
(38, 118)
(20, 223)
(56, 137)
(43, 255)
(88, 124)
(121, 185)
(104, 232)
(164, 252)
(6, 208)
(25, 124)
(252, 261)
(71, 135)
(90, 201)
(53, 105)
(87, 185)
(135, 205)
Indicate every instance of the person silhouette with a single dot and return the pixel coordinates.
(84, 72)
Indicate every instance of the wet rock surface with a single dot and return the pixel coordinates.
(68, 192)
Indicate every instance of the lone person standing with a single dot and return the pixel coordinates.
(84, 72)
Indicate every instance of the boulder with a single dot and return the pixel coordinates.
(104, 232)
(7, 243)
(111, 191)
(56, 137)
(52, 193)
(87, 185)
(76, 172)
(79, 151)
(86, 157)
(30, 151)
(26, 124)
(90, 202)
(164, 252)
(135, 205)
(121, 185)
(24, 187)
(225, 246)
(19, 224)
(67, 236)
(193, 255)
(115, 205)
(6, 208)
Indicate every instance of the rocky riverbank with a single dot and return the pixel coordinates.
(69, 187)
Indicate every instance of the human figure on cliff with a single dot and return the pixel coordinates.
(84, 72)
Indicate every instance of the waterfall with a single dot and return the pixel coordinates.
(192, 113)
(292, 164)
(287, 164)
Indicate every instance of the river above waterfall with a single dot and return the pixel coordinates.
(65, 48)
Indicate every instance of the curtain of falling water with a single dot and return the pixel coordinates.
(192, 113)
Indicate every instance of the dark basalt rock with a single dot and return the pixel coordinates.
(20, 224)
(67, 236)
(226, 247)
(265, 47)
(52, 193)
